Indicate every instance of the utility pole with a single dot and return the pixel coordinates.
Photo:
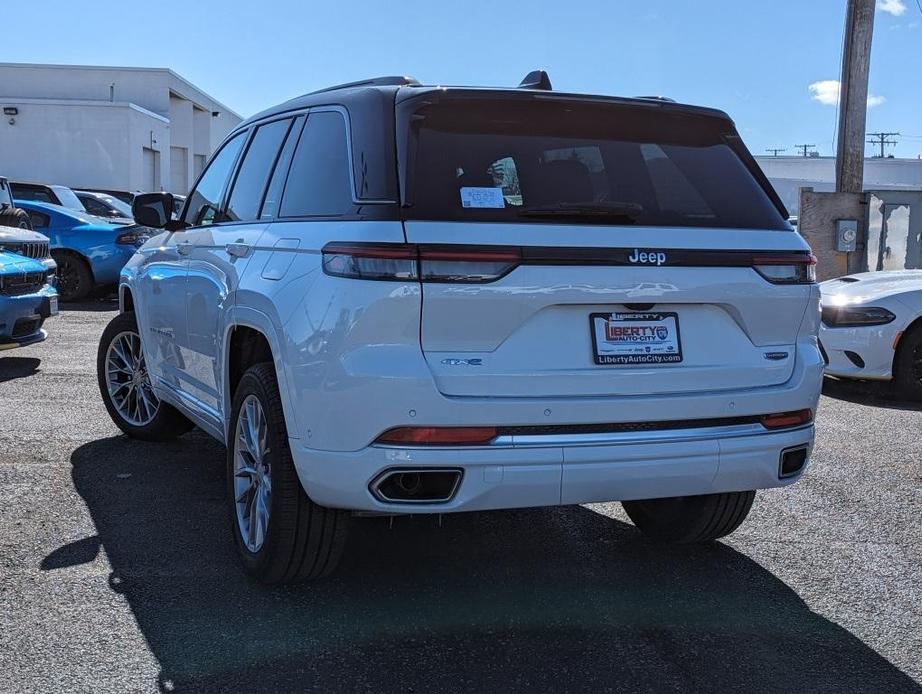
(853, 95)
(881, 139)
(774, 151)
(804, 148)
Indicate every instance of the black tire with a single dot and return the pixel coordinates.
(15, 217)
(74, 277)
(167, 423)
(687, 519)
(303, 540)
(907, 365)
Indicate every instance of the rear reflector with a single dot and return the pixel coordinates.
(438, 436)
(784, 420)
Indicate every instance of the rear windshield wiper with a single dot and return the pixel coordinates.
(625, 211)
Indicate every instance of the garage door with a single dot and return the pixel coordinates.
(179, 170)
(150, 165)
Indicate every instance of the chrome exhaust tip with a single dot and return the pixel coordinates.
(416, 485)
(793, 461)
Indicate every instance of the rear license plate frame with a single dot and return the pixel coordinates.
(653, 350)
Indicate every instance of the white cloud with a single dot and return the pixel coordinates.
(894, 7)
(826, 92)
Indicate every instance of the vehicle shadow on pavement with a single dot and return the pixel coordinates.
(18, 367)
(870, 393)
(95, 305)
(535, 600)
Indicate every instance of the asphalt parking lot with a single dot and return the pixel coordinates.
(117, 572)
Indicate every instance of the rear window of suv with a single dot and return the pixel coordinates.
(585, 162)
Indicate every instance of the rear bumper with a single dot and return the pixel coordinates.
(677, 463)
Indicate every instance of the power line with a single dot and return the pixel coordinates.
(880, 139)
(775, 150)
(804, 148)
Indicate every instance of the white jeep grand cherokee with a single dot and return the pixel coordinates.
(394, 298)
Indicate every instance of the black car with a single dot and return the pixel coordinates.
(104, 205)
(125, 196)
(40, 192)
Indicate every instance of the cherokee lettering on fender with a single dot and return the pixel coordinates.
(647, 257)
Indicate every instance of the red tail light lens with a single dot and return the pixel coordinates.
(401, 262)
(786, 268)
(785, 420)
(469, 266)
(368, 261)
(438, 436)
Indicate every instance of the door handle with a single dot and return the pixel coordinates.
(184, 248)
(238, 250)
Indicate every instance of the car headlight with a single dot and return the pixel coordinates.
(856, 316)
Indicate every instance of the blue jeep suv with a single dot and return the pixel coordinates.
(89, 251)
(26, 300)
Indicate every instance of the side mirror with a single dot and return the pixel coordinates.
(152, 209)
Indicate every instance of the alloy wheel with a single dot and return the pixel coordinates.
(916, 365)
(68, 281)
(128, 381)
(252, 474)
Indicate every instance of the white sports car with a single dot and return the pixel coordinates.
(872, 328)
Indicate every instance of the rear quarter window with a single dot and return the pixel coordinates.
(319, 178)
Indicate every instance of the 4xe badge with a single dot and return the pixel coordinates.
(647, 257)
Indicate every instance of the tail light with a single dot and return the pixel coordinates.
(398, 262)
(395, 262)
(468, 265)
(438, 436)
(786, 268)
(135, 237)
(786, 420)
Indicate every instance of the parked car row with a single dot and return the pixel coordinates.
(89, 251)
(102, 202)
(90, 233)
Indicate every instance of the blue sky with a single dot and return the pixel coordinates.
(754, 59)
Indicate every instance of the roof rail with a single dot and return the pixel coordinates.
(536, 79)
(389, 81)
(657, 98)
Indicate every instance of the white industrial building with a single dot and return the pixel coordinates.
(789, 174)
(122, 128)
